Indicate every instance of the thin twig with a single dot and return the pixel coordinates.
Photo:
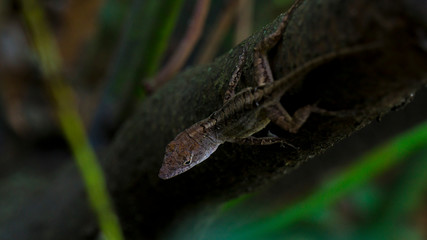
(186, 46)
(244, 20)
(211, 44)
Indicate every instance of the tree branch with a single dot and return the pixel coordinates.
(368, 84)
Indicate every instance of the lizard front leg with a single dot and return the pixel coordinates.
(235, 77)
(262, 141)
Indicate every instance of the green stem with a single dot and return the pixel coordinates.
(70, 121)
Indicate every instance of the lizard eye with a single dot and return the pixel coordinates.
(189, 160)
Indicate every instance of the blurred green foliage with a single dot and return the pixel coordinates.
(143, 40)
(141, 49)
(69, 119)
(147, 30)
(315, 217)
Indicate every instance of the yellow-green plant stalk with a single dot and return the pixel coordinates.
(69, 119)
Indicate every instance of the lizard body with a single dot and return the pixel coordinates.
(246, 112)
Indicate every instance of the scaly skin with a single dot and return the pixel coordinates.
(246, 112)
(231, 121)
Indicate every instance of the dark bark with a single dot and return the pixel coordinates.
(368, 84)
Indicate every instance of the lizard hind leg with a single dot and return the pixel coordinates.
(279, 116)
(263, 73)
(262, 67)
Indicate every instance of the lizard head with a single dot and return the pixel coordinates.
(185, 152)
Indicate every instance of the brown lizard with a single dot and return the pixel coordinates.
(248, 111)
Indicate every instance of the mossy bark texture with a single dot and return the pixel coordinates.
(367, 85)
